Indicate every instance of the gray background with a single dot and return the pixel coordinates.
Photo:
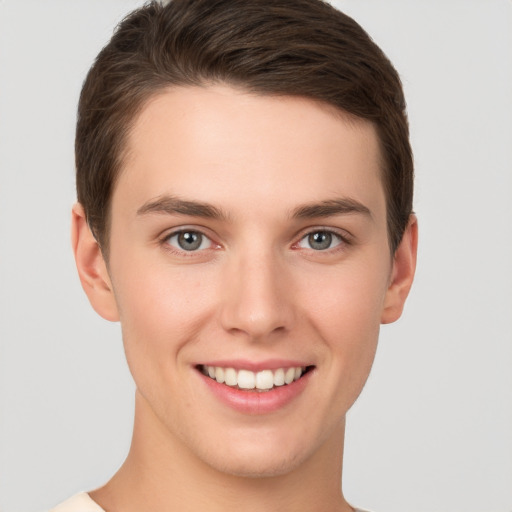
(433, 430)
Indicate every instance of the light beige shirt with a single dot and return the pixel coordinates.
(83, 503)
(80, 503)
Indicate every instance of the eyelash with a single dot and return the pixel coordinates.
(165, 241)
(344, 240)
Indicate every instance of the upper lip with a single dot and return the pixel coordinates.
(255, 366)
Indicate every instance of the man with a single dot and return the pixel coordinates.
(244, 182)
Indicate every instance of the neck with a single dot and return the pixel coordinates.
(162, 474)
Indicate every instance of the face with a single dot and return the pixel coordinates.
(250, 267)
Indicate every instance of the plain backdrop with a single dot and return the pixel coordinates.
(432, 431)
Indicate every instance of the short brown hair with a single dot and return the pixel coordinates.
(277, 47)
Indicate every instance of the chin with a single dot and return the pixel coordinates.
(256, 458)
(260, 468)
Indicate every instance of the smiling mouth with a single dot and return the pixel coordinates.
(247, 380)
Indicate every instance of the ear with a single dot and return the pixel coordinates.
(91, 267)
(402, 274)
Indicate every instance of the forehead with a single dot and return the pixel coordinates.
(223, 145)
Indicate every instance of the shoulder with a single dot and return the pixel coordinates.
(79, 503)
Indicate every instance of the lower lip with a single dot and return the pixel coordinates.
(257, 402)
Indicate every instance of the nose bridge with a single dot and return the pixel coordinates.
(258, 301)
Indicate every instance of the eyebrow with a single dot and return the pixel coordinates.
(331, 207)
(172, 205)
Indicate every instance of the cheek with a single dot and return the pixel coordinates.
(151, 296)
(160, 311)
(345, 309)
(348, 299)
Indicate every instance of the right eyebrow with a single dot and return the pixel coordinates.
(172, 205)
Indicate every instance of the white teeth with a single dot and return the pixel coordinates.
(219, 374)
(289, 375)
(265, 379)
(230, 377)
(279, 377)
(246, 379)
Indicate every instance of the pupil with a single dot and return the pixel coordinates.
(320, 240)
(189, 241)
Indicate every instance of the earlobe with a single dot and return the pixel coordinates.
(91, 266)
(402, 275)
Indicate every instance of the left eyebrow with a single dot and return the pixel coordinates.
(331, 207)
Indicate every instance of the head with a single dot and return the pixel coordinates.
(299, 48)
(245, 181)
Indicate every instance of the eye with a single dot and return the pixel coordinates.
(189, 240)
(320, 240)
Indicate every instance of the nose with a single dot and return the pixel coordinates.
(258, 298)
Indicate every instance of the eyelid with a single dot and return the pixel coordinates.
(163, 239)
(345, 237)
(203, 240)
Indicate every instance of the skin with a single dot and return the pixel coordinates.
(255, 289)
